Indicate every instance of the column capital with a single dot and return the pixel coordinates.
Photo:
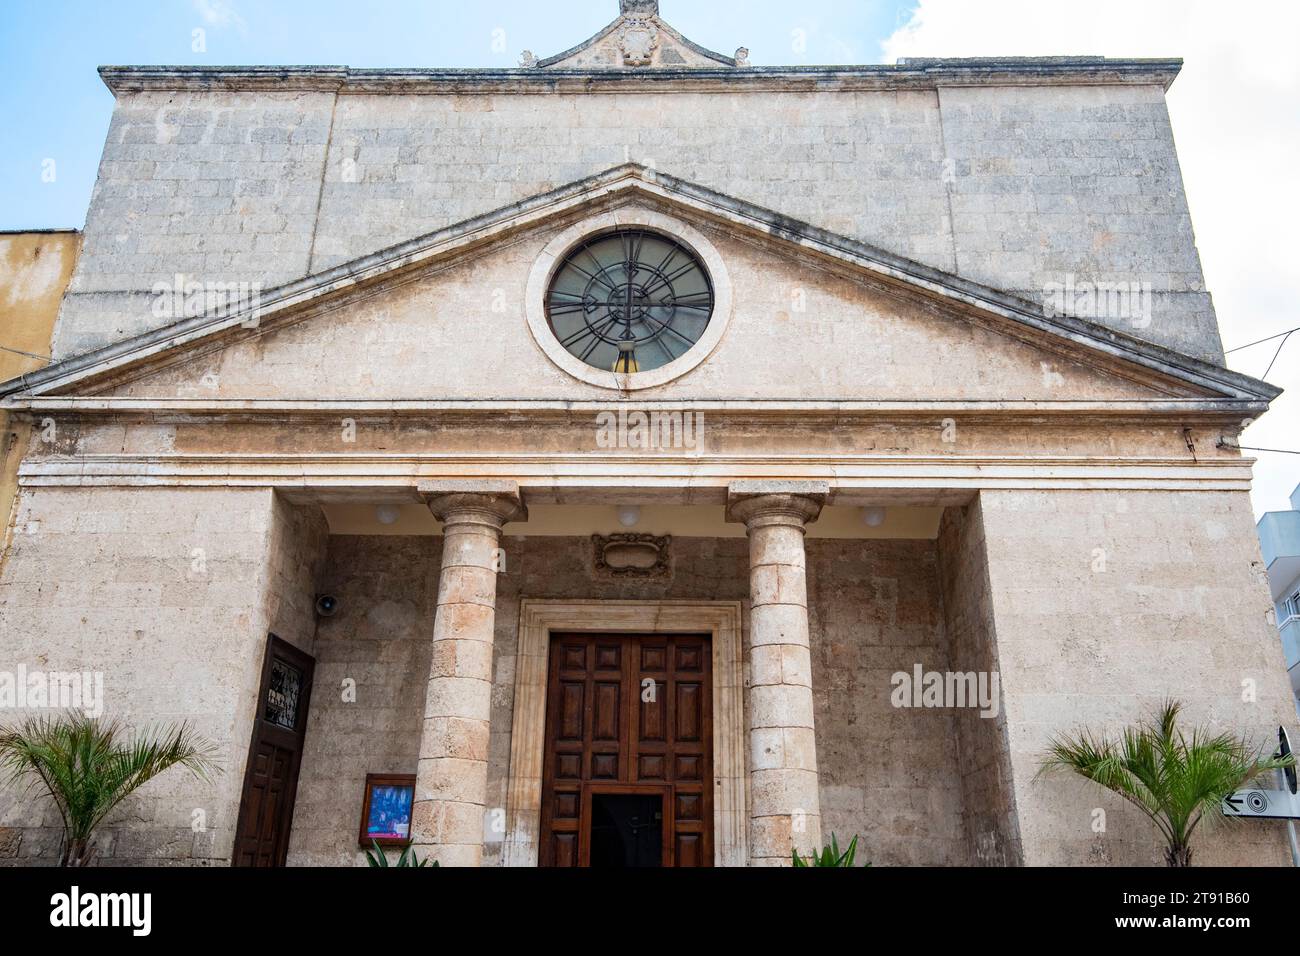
(776, 502)
(490, 502)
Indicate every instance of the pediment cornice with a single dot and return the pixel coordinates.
(915, 74)
(1172, 373)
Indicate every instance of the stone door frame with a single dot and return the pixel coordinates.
(538, 619)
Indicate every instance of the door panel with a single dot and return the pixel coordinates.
(274, 756)
(628, 717)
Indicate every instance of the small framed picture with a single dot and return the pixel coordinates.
(386, 809)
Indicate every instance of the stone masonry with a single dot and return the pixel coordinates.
(451, 780)
(883, 774)
(1024, 173)
(169, 594)
(785, 805)
(904, 462)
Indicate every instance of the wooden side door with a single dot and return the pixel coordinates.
(628, 715)
(274, 757)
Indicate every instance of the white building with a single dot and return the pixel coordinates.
(1279, 539)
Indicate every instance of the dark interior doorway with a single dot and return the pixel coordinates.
(627, 829)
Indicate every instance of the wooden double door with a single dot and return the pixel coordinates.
(628, 772)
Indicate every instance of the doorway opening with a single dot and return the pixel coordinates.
(627, 830)
(628, 760)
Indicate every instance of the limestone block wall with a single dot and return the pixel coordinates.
(875, 609)
(1016, 187)
(1050, 182)
(900, 349)
(1093, 606)
(372, 668)
(295, 562)
(983, 762)
(169, 594)
(219, 189)
(1105, 603)
(788, 151)
(887, 773)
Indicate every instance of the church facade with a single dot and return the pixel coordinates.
(641, 452)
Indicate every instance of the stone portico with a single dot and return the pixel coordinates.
(434, 635)
(877, 455)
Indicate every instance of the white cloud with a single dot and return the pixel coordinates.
(220, 14)
(1235, 111)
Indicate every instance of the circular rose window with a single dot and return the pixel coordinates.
(629, 301)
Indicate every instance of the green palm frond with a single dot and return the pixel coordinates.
(1175, 779)
(379, 859)
(88, 767)
(829, 856)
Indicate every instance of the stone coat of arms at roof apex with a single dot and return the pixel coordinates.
(638, 38)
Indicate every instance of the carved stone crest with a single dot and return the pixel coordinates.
(632, 555)
(638, 39)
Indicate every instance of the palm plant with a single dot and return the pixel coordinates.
(830, 855)
(1174, 779)
(88, 768)
(379, 859)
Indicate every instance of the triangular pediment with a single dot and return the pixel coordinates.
(441, 317)
(637, 39)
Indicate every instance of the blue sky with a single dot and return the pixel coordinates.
(54, 106)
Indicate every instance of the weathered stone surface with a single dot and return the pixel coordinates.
(868, 760)
(417, 670)
(841, 340)
(173, 609)
(919, 785)
(387, 591)
(780, 698)
(983, 762)
(226, 185)
(453, 760)
(1174, 626)
(10, 840)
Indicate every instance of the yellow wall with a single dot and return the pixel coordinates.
(35, 268)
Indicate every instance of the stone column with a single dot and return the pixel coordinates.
(451, 776)
(785, 806)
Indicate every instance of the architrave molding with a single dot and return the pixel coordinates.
(672, 474)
